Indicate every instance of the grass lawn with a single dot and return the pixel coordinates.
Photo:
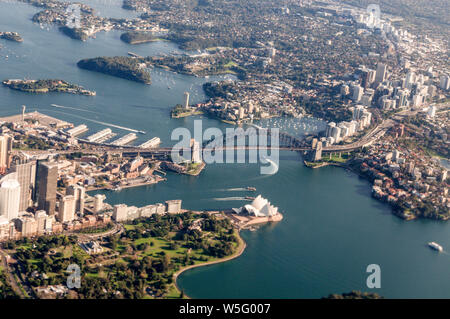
(76, 250)
(159, 245)
(93, 275)
(173, 292)
(24, 246)
(132, 227)
(335, 158)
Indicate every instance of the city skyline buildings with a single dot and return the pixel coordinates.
(66, 210)
(79, 193)
(9, 199)
(6, 142)
(46, 183)
(26, 176)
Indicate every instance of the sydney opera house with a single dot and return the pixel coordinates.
(259, 211)
(260, 207)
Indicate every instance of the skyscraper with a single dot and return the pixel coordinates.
(381, 73)
(358, 92)
(251, 107)
(336, 134)
(444, 82)
(358, 112)
(78, 192)
(365, 79)
(410, 80)
(402, 98)
(9, 199)
(46, 181)
(66, 209)
(329, 129)
(432, 111)
(241, 112)
(26, 176)
(98, 202)
(5, 152)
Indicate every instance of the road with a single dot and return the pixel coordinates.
(366, 140)
(116, 230)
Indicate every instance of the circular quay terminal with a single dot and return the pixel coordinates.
(224, 158)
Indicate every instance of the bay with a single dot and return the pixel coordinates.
(332, 228)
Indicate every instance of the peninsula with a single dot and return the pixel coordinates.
(138, 37)
(122, 67)
(46, 86)
(75, 33)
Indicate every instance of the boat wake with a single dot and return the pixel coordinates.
(73, 108)
(239, 189)
(273, 168)
(229, 199)
(102, 123)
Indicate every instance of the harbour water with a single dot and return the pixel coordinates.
(332, 228)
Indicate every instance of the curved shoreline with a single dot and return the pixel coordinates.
(239, 252)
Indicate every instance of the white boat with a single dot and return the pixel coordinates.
(435, 246)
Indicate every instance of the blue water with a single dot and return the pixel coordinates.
(332, 228)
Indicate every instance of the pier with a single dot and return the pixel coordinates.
(78, 130)
(125, 139)
(134, 55)
(99, 135)
(151, 143)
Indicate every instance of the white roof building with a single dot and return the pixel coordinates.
(261, 207)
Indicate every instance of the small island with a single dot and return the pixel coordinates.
(11, 36)
(46, 86)
(122, 67)
(138, 37)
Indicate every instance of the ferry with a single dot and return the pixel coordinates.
(252, 189)
(435, 246)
